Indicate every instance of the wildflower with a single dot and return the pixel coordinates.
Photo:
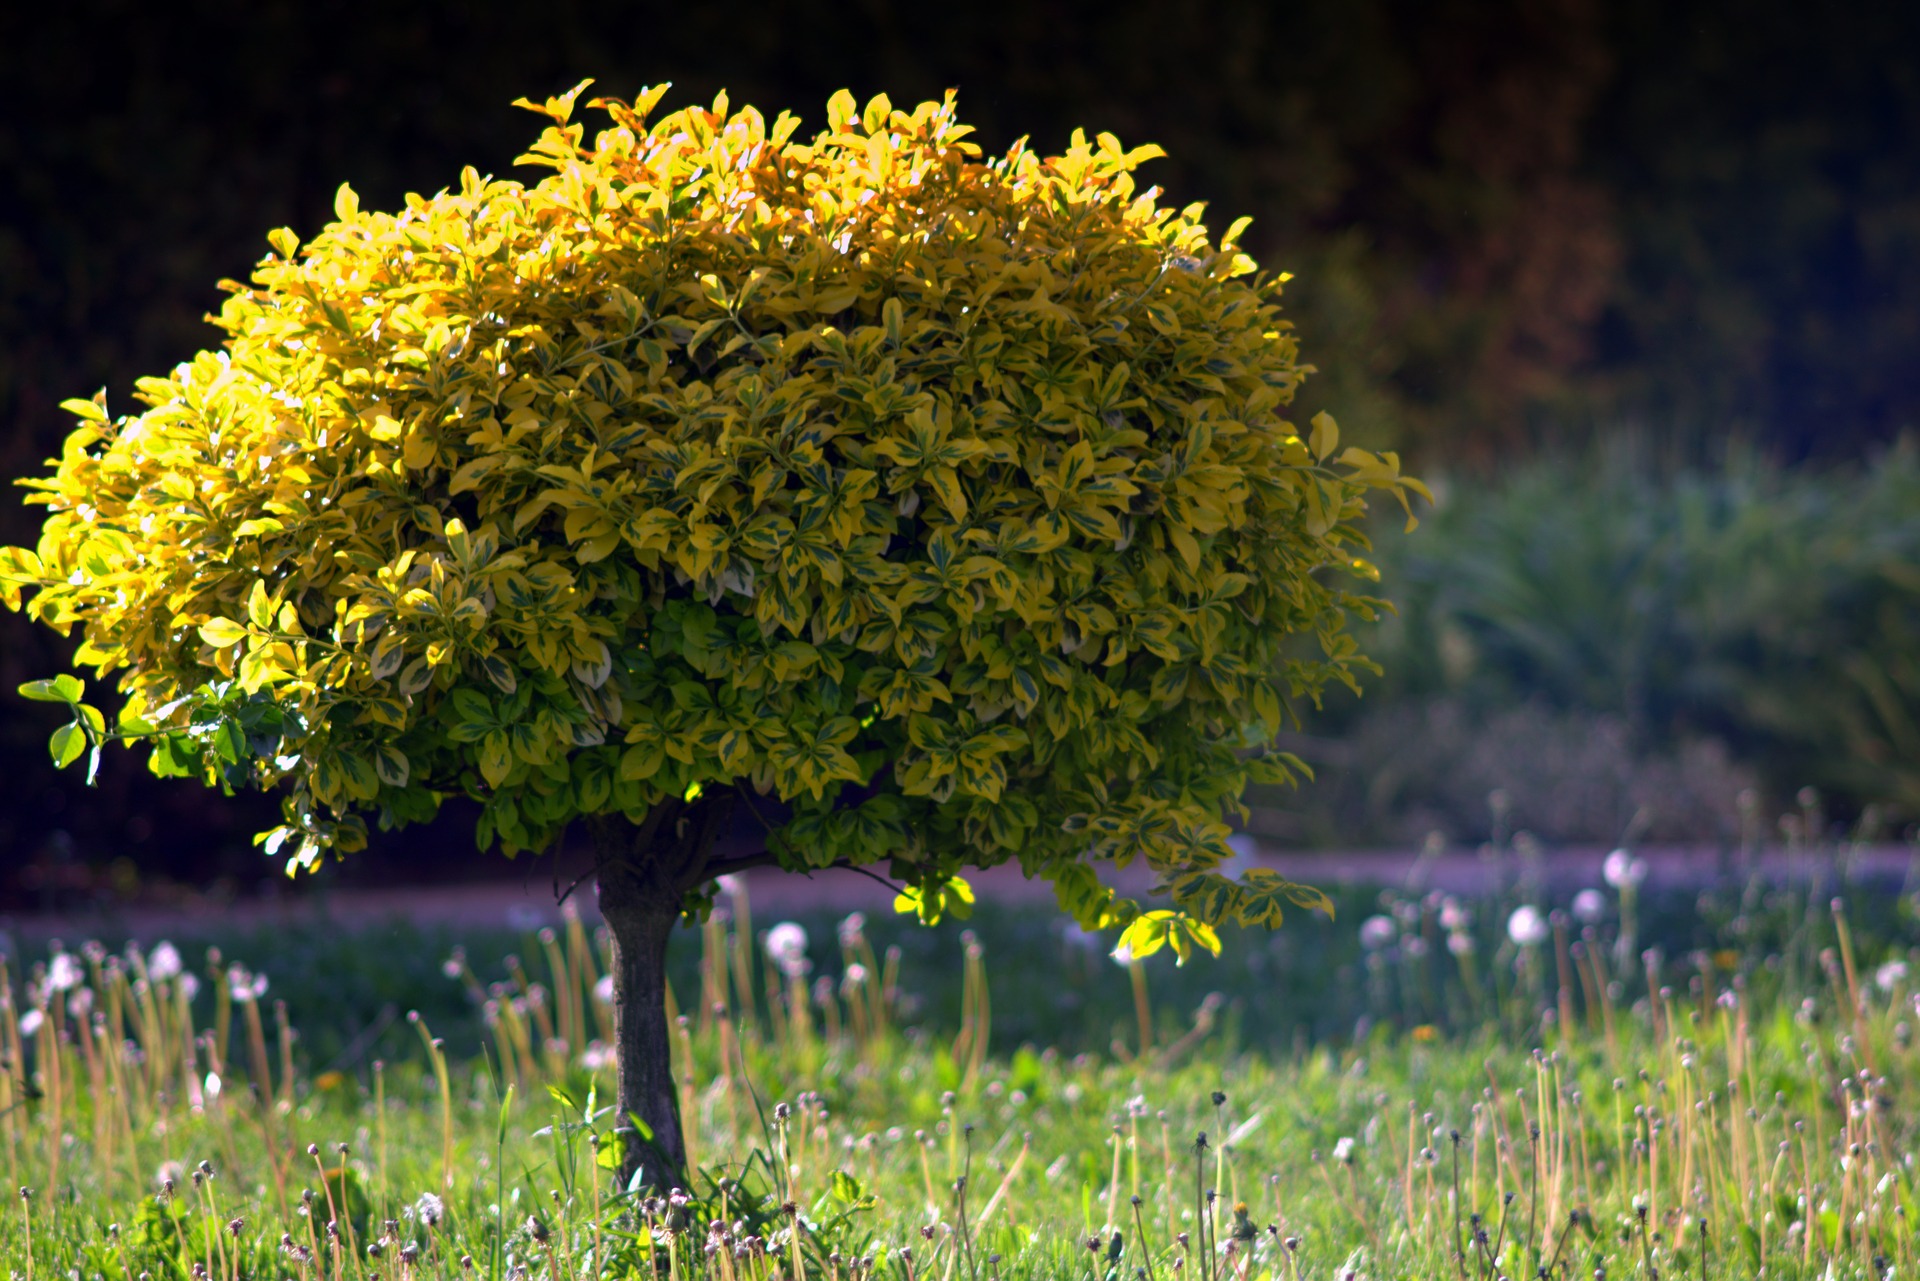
(599, 1057)
(189, 986)
(603, 990)
(164, 963)
(1622, 870)
(1343, 1150)
(30, 1022)
(64, 972)
(429, 1209)
(1891, 975)
(244, 986)
(1527, 926)
(1454, 915)
(786, 943)
(1377, 932)
(852, 928)
(1589, 905)
(1460, 943)
(1122, 955)
(733, 885)
(453, 965)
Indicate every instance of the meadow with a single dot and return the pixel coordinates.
(1709, 1083)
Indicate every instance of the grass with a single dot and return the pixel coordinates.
(1472, 1096)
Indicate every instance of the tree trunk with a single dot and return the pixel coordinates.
(644, 872)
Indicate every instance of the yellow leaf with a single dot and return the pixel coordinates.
(1326, 436)
(222, 632)
(260, 605)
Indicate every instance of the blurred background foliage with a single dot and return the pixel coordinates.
(1518, 231)
(1624, 646)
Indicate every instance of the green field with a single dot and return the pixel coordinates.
(1727, 1094)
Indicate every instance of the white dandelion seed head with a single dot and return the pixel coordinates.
(786, 943)
(1527, 926)
(1622, 870)
(1377, 932)
(64, 972)
(1590, 906)
(1890, 975)
(164, 963)
(852, 927)
(429, 1209)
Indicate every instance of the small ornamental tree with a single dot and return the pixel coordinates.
(935, 511)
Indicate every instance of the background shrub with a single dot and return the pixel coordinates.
(1609, 633)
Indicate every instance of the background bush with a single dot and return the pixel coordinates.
(1609, 633)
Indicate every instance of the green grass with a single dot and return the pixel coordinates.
(989, 1106)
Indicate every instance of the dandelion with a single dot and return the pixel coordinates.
(164, 963)
(1527, 926)
(1122, 955)
(429, 1209)
(244, 986)
(1454, 915)
(64, 972)
(1891, 975)
(30, 1022)
(1622, 870)
(455, 964)
(1460, 943)
(1343, 1150)
(1377, 932)
(852, 928)
(1589, 905)
(786, 943)
(603, 990)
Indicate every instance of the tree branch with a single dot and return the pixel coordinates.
(728, 866)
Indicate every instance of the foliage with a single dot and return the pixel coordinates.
(947, 502)
(1774, 610)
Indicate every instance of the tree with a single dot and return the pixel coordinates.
(937, 511)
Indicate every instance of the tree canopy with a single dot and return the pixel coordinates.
(942, 508)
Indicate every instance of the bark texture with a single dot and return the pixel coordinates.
(644, 871)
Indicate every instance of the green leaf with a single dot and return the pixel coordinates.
(500, 672)
(66, 745)
(229, 742)
(391, 764)
(61, 689)
(496, 757)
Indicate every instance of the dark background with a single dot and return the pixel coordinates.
(1515, 224)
